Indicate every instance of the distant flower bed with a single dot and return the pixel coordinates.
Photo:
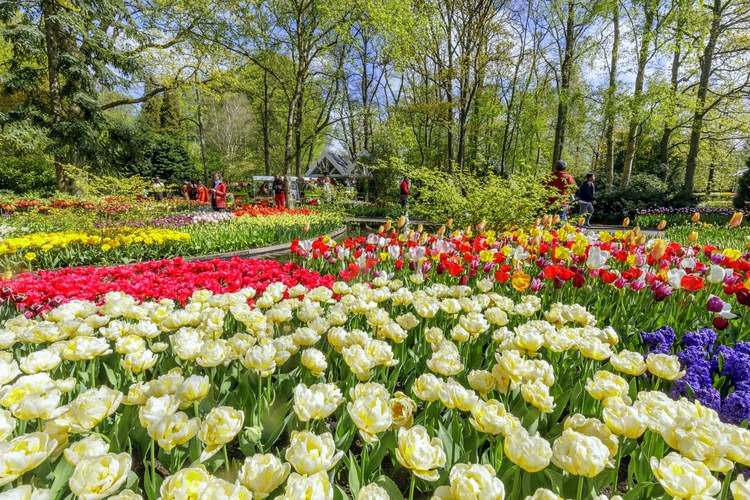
(652, 217)
(261, 211)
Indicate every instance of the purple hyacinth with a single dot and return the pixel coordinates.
(737, 366)
(736, 407)
(703, 338)
(743, 347)
(709, 397)
(659, 341)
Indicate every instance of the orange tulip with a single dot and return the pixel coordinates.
(481, 226)
(693, 236)
(420, 228)
(662, 225)
(441, 231)
(736, 219)
(695, 218)
(556, 219)
(388, 225)
(520, 280)
(401, 221)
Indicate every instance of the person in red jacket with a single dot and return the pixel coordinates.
(219, 193)
(405, 189)
(564, 183)
(202, 193)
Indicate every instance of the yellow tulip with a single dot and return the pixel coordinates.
(736, 219)
(420, 454)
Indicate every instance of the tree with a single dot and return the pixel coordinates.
(729, 23)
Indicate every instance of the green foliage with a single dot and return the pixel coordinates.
(25, 166)
(742, 197)
(89, 184)
(644, 191)
(470, 199)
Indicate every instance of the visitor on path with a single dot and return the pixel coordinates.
(219, 193)
(202, 193)
(185, 190)
(405, 190)
(158, 189)
(564, 184)
(279, 191)
(586, 194)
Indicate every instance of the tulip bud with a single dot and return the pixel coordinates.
(626, 222)
(736, 219)
(253, 434)
(695, 218)
(420, 228)
(693, 236)
(662, 225)
(401, 222)
(449, 223)
(556, 219)
(388, 224)
(441, 231)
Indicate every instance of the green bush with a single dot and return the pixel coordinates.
(644, 191)
(742, 197)
(468, 199)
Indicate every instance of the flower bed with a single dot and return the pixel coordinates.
(383, 389)
(174, 279)
(204, 234)
(652, 217)
(638, 283)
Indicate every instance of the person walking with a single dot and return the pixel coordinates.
(405, 191)
(219, 193)
(279, 191)
(157, 188)
(586, 198)
(202, 193)
(563, 184)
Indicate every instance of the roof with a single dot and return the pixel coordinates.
(336, 165)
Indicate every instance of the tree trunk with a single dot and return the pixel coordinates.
(609, 113)
(634, 124)
(199, 121)
(565, 74)
(674, 82)
(52, 43)
(298, 135)
(700, 99)
(449, 91)
(264, 121)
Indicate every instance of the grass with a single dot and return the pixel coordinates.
(723, 237)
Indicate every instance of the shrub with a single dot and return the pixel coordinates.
(742, 197)
(469, 199)
(644, 191)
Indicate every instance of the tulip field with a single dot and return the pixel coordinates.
(539, 363)
(62, 233)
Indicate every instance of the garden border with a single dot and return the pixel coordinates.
(261, 251)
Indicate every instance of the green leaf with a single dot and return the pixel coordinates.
(388, 485)
(62, 473)
(354, 484)
(339, 494)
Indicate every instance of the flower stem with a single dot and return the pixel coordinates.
(411, 488)
(617, 468)
(579, 496)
